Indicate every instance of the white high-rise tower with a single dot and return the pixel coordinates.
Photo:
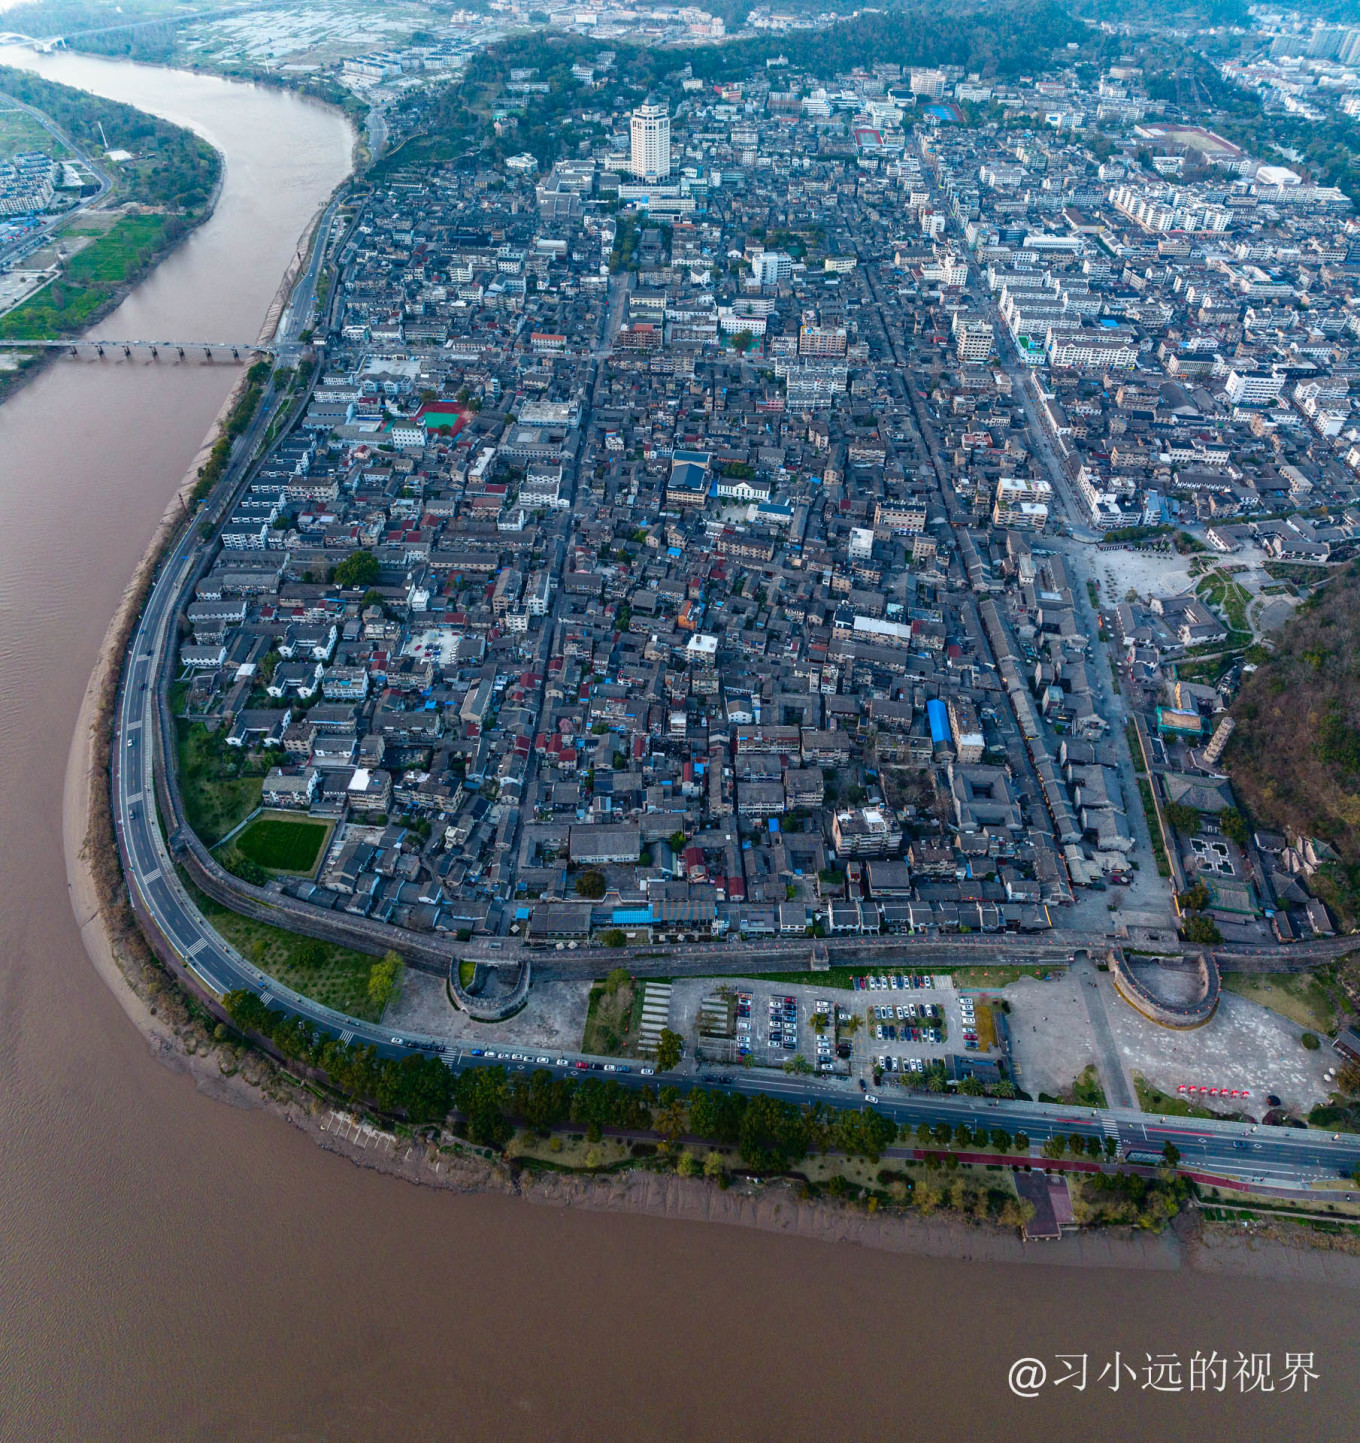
(650, 157)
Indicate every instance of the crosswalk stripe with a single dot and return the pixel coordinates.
(347, 1036)
(197, 947)
(153, 876)
(134, 798)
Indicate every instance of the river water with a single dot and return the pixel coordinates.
(171, 1267)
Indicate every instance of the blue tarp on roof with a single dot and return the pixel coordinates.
(939, 720)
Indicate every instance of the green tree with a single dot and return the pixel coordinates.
(713, 1165)
(384, 979)
(1234, 826)
(590, 885)
(771, 1137)
(1196, 898)
(672, 1118)
(1202, 931)
(972, 1087)
(616, 979)
(1111, 1148)
(479, 1094)
(670, 1045)
(1181, 818)
(307, 953)
(613, 937)
(359, 568)
(1171, 1153)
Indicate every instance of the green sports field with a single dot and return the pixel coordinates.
(282, 846)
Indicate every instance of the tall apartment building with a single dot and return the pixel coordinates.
(972, 339)
(650, 156)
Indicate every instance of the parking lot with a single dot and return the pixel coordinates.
(910, 1019)
(772, 1023)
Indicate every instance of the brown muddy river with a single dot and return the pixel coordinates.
(173, 1268)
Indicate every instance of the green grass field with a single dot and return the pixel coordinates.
(1303, 997)
(19, 132)
(333, 976)
(90, 279)
(220, 787)
(282, 846)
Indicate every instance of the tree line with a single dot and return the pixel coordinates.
(769, 1133)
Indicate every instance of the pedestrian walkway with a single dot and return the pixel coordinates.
(1118, 1090)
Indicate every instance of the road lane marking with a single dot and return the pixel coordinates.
(151, 877)
(196, 948)
(134, 799)
(214, 987)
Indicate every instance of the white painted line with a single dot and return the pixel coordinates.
(132, 726)
(152, 877)
(207, 981)
(196, 948)
(134, 799)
